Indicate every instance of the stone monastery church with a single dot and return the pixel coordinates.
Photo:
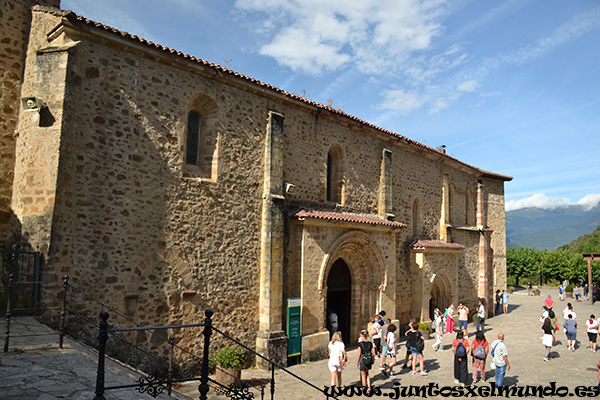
(165, 185)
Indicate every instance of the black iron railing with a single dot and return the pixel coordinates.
(154, 385)
(159, 380)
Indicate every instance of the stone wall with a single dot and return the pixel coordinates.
(101, 188)
(15, 21)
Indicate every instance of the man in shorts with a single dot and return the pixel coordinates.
(505, 301)
(463, 317)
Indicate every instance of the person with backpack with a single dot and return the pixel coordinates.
(416, 344)
(460, 348)
(553, 320)
(479, 351)
(365, 359)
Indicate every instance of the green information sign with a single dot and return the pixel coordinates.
(293, 327)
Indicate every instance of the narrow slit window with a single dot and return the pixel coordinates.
(192, 146)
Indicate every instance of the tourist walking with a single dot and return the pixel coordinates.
(505, 301)
(549, 302)
(500, 360)
(480, 316)
(390, 343)
(450, 319)
(561, 292)
(408, 355)
(460, 348)
(416, 344)
(570, 327)
(384, 348)
(591, 327)
(463, 317)
(479, 351)
(529, 289)
(337, 355)
(577, 293)
(548, 339)
(375, 334)
(498, 303)
(439, 333)
(569, 310)
(365, 359)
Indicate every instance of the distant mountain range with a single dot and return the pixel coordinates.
(550, 229)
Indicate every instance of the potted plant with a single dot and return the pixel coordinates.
(536, 292)
(228, 364)
(569, 290)
(510, 289)
(424, 329)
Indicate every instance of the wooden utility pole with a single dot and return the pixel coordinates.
(589, 257)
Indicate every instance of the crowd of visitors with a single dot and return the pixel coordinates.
(379, 342)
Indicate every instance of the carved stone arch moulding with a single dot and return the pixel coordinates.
(352, 247)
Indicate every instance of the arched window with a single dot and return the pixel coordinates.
(335, 174)
(192, 142)
(201, 142)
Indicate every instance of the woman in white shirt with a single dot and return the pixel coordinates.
(336, 348)
(591, 327)
(569, 310)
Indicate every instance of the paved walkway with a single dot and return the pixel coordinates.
(38, 371)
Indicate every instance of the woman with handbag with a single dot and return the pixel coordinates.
(337, 353)
(416, 349)
(364, 361)
(548, 339)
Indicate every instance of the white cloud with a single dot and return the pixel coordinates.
(375, 36)
(540, 200)
(590, 201)
(468, 86)
(401, 101)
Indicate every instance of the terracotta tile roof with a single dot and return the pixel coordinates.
(435, 244)
(74, 18)
(360, 219)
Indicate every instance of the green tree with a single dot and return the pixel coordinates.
(522, 262)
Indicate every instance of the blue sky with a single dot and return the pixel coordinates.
(511, 86)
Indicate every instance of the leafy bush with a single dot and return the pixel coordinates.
(229, 357)
(511, 288)
(569, 288)
(423, 326)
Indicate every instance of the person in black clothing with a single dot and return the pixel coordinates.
(364, 364)
(460, 348)
(498, 301)
(413, 336)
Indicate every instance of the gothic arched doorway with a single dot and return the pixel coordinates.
(339, 296)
